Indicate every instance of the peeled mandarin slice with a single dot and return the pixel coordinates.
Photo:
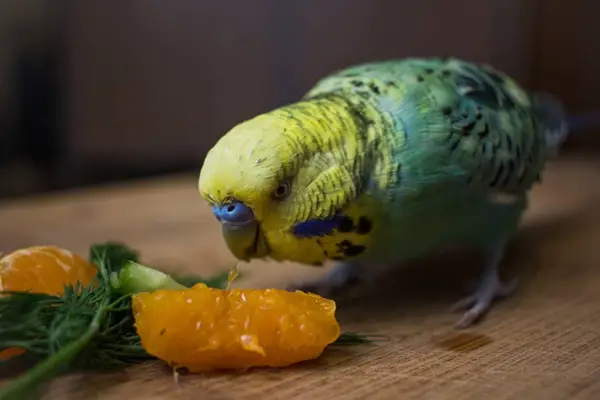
(42, 269)
(206, 329)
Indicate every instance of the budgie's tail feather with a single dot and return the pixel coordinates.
(558, 125)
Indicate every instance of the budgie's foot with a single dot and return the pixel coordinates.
(489, 289)
(341, 276)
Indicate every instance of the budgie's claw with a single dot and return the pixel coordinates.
(489, 289)
(479, 303)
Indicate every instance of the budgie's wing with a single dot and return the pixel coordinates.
(455, 120)
(496, 134)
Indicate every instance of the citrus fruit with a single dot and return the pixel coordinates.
(42, 269)
(204, 329)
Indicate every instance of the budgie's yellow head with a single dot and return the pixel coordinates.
(278, 182)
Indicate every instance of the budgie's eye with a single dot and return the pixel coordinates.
(282, 191)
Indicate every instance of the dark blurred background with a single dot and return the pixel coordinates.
(96, 90)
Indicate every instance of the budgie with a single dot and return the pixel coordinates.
(384, 162)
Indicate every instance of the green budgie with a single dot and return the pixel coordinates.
(385, 162)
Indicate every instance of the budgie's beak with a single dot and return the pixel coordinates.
(241, 231)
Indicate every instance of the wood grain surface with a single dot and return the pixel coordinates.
(544, 342)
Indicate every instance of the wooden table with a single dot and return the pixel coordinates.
(542, 343)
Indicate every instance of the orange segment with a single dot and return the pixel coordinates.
(206, 329)
(42, 269)
(10, 353)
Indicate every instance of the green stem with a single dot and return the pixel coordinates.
(20, 387)
(135, 278)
